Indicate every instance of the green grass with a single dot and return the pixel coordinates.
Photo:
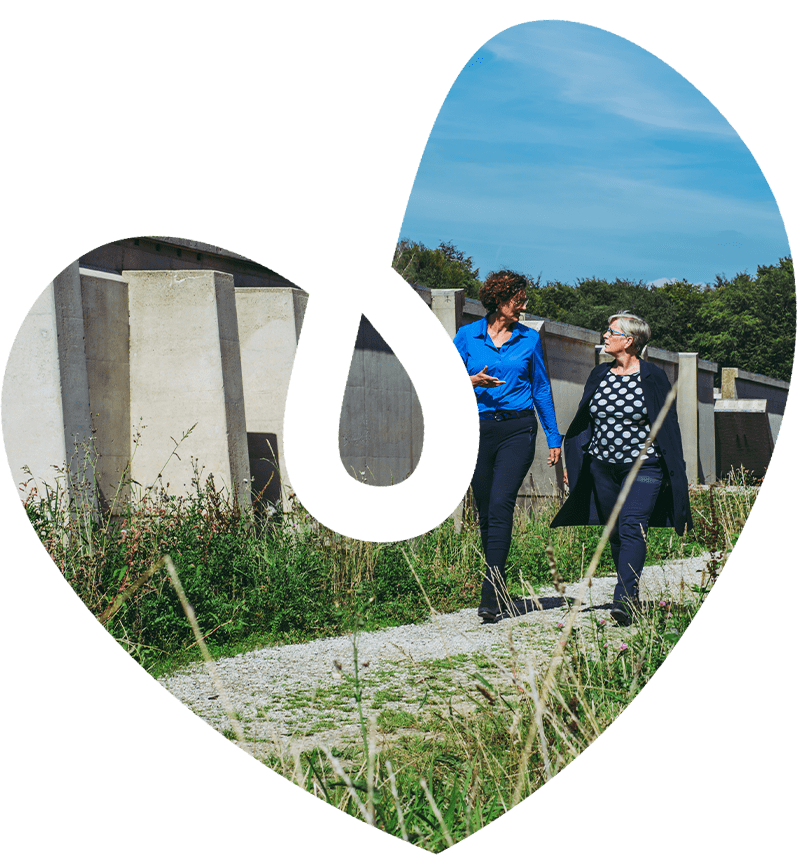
(478, 734)
(390, 719)
(451, 770)
(259, 583)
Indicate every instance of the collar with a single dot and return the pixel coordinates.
(482, 331)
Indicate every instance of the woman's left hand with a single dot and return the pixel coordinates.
(554, 457)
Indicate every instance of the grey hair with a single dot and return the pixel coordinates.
(633, 326)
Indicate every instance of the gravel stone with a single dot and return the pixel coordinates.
(295, 697)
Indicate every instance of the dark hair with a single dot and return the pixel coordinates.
(499, 287)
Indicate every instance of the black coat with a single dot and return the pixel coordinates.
(672, 505)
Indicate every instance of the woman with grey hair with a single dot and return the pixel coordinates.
(620, 401)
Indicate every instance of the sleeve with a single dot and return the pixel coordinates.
(542, 394)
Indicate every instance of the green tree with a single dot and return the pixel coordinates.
(441, 268)
(746, 322)
(750, 322)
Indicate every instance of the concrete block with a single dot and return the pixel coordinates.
(105, 314)
(448, 306)
(269, 327)
(185, 371)
(473, 310)
(380, 431)
(706, 442)
(743, 436)
(667, 360)
(686, 404)
(741, 384)
(46, 420)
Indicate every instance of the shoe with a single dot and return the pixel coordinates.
(489, 616)
(621, 616)
(489, 609)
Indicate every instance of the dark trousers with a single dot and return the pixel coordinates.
(628, 539)
(505, 454)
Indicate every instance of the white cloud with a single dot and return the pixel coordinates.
(611, 75)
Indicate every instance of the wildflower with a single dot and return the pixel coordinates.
(623, 647)
(560, 624)
(602, 623)
(669, 615)
(662, 602)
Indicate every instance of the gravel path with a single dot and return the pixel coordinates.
(301, 696)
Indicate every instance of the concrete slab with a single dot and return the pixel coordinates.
(185, 372)
(743, 436)
(46, 418)
(380, 431)
(269, 325)
(105, 314)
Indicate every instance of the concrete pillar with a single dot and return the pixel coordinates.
(381, 426)
(706, 435)
(687, 402)
(185, 372)
(105, 314)
(744, 437)
(46, 420)
(728, 389)
(448, 306)
(269, 327)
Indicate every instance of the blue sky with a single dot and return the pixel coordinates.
(565, 151)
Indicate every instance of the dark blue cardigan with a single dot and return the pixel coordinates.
(672, 505)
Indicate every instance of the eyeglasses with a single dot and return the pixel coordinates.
(618, 333)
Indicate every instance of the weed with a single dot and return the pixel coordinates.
(480, 732)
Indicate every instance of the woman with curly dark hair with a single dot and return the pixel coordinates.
(506, 366)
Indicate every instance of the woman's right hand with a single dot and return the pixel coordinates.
(483, 380)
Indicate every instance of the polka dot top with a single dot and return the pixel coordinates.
(619, 420)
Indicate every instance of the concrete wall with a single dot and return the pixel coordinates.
(738, 384)
(185, 371)
(380, 430)
(448, 307)
(667, 360)
(706, 444)
(104, 299)
(269, 326)
(748, 418)
(162, 253)
(743, 435)
(148, 354)
(466, 310)
(46, 420)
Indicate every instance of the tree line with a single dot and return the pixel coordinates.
(747, 321)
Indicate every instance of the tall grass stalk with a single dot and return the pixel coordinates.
(209, 662)
(166, 574)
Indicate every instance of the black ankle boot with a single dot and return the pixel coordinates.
(619, 613)
(494, 597)
(625, 611)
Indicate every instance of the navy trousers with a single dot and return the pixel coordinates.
(628, 539)
(505, 454)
